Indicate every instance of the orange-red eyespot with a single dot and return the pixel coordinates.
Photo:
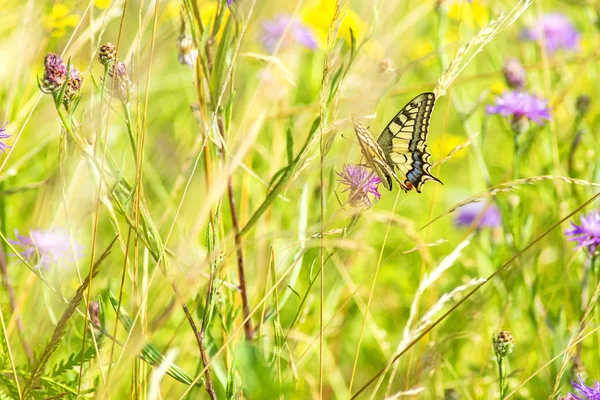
(408, 185)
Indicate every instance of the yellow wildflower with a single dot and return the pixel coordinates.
(498, 88)
(102, 3)
(319, 14)
(474, 14)
(442, 148)
(59, 19)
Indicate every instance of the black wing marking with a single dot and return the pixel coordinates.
(404, 142)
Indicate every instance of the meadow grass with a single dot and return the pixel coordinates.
(185, 211)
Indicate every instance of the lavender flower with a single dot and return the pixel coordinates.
(291, 29)
(488, 216)
(47, 248)
(589, 393)
(361, 183)
(55, 73)
(3, 135)
(558, 32)
(588, 233)
(514, 73)
(520, 105)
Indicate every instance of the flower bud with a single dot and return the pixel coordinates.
(514, 73)
(107, 54)
(503, 344)
(55, 73)
(582, 104)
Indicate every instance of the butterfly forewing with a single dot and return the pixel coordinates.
(374, 155)
(403, 142)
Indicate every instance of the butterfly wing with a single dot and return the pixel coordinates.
(403, 142)
(374, 155)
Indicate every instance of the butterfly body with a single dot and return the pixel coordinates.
(401, 146)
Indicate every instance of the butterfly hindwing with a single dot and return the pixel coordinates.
(403, 142)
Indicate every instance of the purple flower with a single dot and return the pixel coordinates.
(520, 105)
(361, 183)
(487, 215)
(288, 28)
(55, 73)
(558, 32)
(589, 393)
(588, 233)
(3, 135)
(47, 248)
(229, 2)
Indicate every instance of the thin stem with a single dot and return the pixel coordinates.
(238, 241)
(200, 339)
(501, 376)
(516, 158)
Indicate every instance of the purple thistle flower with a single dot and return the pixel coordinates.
(3, 135)
(587, 234)
(361, 183)
(520, 105)
(589, 393)
(55, 73)
(488, 216)
(291, 29)
(47, 248)
(558, 32)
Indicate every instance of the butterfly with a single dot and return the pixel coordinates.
(401, 145)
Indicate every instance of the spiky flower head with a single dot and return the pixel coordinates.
(4, 135)
(47, 248)
(503, 344)
(588, 392)
(187, 51)
(587, 235)
(107, 54)
(120, 85)
(514, 73)
(361, 183)
(557, 31)
(55, 73)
